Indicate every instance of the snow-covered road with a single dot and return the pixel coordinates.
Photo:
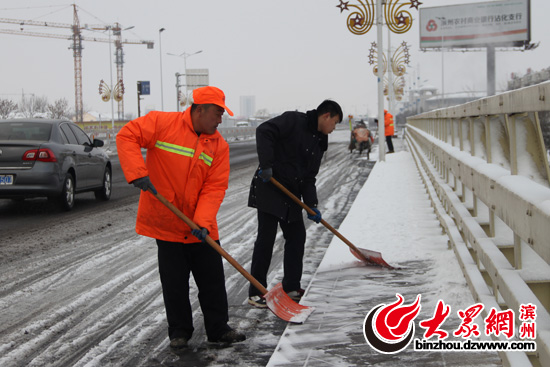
(87, 292)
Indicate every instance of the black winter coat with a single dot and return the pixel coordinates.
(293, 147)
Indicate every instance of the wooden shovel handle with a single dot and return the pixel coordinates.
(212, 243)
(310, 211)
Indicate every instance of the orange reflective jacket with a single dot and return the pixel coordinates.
(388, 124)
(192, 172)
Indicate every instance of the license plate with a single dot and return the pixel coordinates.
(6, 179)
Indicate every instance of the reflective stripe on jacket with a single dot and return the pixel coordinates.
(388, 124)
(192, 172)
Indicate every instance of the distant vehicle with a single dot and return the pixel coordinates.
(242, 124)
(51, 158)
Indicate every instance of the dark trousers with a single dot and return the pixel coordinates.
(295, 238)
(390, 143)
(176, 262)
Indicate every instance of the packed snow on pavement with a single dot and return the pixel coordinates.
(85, 291)
(391, 215)
(94, 298)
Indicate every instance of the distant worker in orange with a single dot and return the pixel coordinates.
(388, 130)
(188, 163)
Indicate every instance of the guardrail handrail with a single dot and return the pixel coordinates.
(487, 166)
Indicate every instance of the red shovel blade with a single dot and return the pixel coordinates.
(284, 307)
(374, 258)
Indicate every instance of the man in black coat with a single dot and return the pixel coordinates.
(290, 148)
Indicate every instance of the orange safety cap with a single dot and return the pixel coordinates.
(210, 95)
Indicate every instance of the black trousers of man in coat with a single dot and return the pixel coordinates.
(390, 143)
(294, 234)
(176, 262)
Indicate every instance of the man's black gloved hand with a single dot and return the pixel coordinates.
(317, 217)
(200, 233)
(265, 174)
(145, 184)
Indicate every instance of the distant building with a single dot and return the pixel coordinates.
(530, 78)
(427, 99)
(248, 106)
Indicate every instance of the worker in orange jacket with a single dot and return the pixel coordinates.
(188, 163)
(388, 130)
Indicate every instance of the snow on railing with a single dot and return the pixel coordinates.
(485, 166)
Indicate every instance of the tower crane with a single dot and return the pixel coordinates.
(76, 45)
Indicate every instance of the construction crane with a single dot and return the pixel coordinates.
(76, 45)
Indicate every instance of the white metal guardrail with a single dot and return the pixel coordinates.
(238, 132)
(485, 167)
(235, 133)
(229, 133)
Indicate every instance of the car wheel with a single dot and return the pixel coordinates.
(66, 199)
(105, 192)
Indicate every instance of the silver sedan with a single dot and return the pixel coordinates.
(51, 158)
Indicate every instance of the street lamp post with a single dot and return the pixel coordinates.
(361, 19)
(391, 94)
(442, 62)
(185, 55)
(381, 127)
(161, 85)
(111, 76)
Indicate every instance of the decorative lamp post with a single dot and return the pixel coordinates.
(112, 92)
(360, 21)
(111, 85)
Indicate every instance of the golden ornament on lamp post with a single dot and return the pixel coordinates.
(398, 60)
(116, 94)
(362, 17)
(106, 93)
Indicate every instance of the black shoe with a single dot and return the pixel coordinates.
(178, 343)
(391, 151)
(257, 301)
(232, 336)
(296, 296)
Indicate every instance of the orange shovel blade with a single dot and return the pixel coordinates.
(373, 257)
(284, 307)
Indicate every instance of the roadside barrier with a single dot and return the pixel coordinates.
(237, 133)
(485, 168)
(107, 135)
(229, 133)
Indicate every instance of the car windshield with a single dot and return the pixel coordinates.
(25, 131)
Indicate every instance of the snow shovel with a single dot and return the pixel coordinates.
(276, 299)
(369, 257)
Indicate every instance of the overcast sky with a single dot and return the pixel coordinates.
(289, 54)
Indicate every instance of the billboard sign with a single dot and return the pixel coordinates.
(196, 78)
(497, 23)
